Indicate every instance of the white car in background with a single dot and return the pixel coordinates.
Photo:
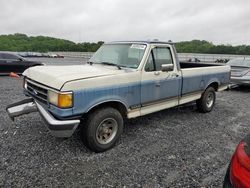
(240, 71)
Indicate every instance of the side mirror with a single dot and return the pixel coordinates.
(167, 67)
(20, 59)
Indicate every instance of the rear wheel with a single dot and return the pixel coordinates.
(207, 101)
(102, 129)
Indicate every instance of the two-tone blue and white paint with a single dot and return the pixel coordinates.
(135, 91)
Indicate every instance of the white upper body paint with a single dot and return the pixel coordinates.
(57, 76)
(75, 77)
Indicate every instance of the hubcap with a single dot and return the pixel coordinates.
(210, 100)
(106, 130)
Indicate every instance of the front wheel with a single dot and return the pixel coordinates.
(102, 129)
(207, 101)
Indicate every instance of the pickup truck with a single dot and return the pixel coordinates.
(122, 80)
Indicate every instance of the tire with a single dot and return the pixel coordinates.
(207, 101)
(102, 130)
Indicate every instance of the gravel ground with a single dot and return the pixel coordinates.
(173, 148)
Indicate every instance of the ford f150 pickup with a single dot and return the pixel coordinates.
(122, 80)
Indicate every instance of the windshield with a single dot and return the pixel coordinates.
(123, 55)
(240, 62)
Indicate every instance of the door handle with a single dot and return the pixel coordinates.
(175, 75)
(157, 73)
(157, 84)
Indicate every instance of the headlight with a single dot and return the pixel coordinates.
(53, 97)
(62, 100)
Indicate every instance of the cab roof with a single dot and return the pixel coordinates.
(144, 42)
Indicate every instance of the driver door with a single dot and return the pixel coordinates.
(160, 86)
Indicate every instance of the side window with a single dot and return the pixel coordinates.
(162, 55)
(150, 63)
(158, 56)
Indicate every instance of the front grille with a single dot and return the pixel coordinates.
(37, 92)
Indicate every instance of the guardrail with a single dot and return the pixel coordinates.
(209, 57)
(182, 56)
(84, 55)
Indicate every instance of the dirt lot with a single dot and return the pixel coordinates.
(174, 148)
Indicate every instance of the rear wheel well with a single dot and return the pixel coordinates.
(214, 85)
(116, 105)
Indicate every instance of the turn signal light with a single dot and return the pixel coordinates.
(65, 100)
(62, 100)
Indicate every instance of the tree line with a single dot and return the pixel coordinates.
(202, 46)
(21, 42)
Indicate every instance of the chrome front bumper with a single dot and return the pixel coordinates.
(58, 128)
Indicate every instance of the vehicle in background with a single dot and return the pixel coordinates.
(194, 59)
(32, 54)
(238, 172)
(121, 80)
(56, 56)
(39, 55)
(222, 60)
(240, 71)
(10, 62)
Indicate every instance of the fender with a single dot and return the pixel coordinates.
(107, 101)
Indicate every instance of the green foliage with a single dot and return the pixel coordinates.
(21, 42)
(198, 46)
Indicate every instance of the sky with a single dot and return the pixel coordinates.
(220, 21)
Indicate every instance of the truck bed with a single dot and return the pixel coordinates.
(197, 76)
(186, 65)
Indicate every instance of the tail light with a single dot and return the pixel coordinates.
(240, 167)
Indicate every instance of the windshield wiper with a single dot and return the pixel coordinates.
(112, 64)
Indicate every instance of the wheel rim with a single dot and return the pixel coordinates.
(106, 130)
(210, 100)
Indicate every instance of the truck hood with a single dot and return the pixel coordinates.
(57, 76)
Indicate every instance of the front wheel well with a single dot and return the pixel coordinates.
(114, 104)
